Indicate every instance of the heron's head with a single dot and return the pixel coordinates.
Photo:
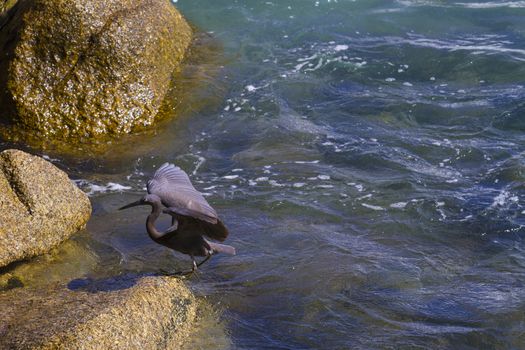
(148, 199)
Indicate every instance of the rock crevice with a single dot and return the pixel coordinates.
(39, 206)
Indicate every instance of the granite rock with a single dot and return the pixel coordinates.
(125, 312)
(40, 206)
(81, 69)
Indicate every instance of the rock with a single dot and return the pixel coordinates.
(121, 313)
(86, 68)
(6, 5)
(39, 206)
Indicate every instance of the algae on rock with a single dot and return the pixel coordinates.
(85, 68)
(6, 5)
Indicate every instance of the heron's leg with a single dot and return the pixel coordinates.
(194, 266)
(184, 273)
(174, 222)
(194, 263)
(205, 259)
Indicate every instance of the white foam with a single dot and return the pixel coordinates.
(200, 161)
(444, 45)
(500, 199)
(314, 56)
(325, 186)
(365, 196)
(49, 159)
(493, 4)
(398, 205)
(319, 65)
(109, 187)
(275, 183)
(306, 162)
(373, 207)
(230, 177)
(300, 66)
(341, 47)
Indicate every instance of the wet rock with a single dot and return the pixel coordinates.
(6, 5)
(122, 313)
(82, 69)
(39, 206)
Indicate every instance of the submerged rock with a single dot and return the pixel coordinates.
(86, 68)
(122, 313)
(39, 206)
(69, 260)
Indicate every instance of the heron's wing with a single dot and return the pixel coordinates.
(215, 230)
(176, 192)
(192, 213)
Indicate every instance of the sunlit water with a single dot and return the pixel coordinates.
(367, 157)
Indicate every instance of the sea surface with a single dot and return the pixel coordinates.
(368, 159)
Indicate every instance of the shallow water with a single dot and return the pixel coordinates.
(367, 158)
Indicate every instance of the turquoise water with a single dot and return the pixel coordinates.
(367, 157)
(380, 201)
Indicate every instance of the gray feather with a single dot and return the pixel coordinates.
(221, 248)
(176, 192)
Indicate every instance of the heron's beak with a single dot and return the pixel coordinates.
(134, 204)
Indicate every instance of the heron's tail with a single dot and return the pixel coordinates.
(222, 248)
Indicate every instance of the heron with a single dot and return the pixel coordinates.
(194, 221)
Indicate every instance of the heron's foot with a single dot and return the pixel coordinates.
(194, 267)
